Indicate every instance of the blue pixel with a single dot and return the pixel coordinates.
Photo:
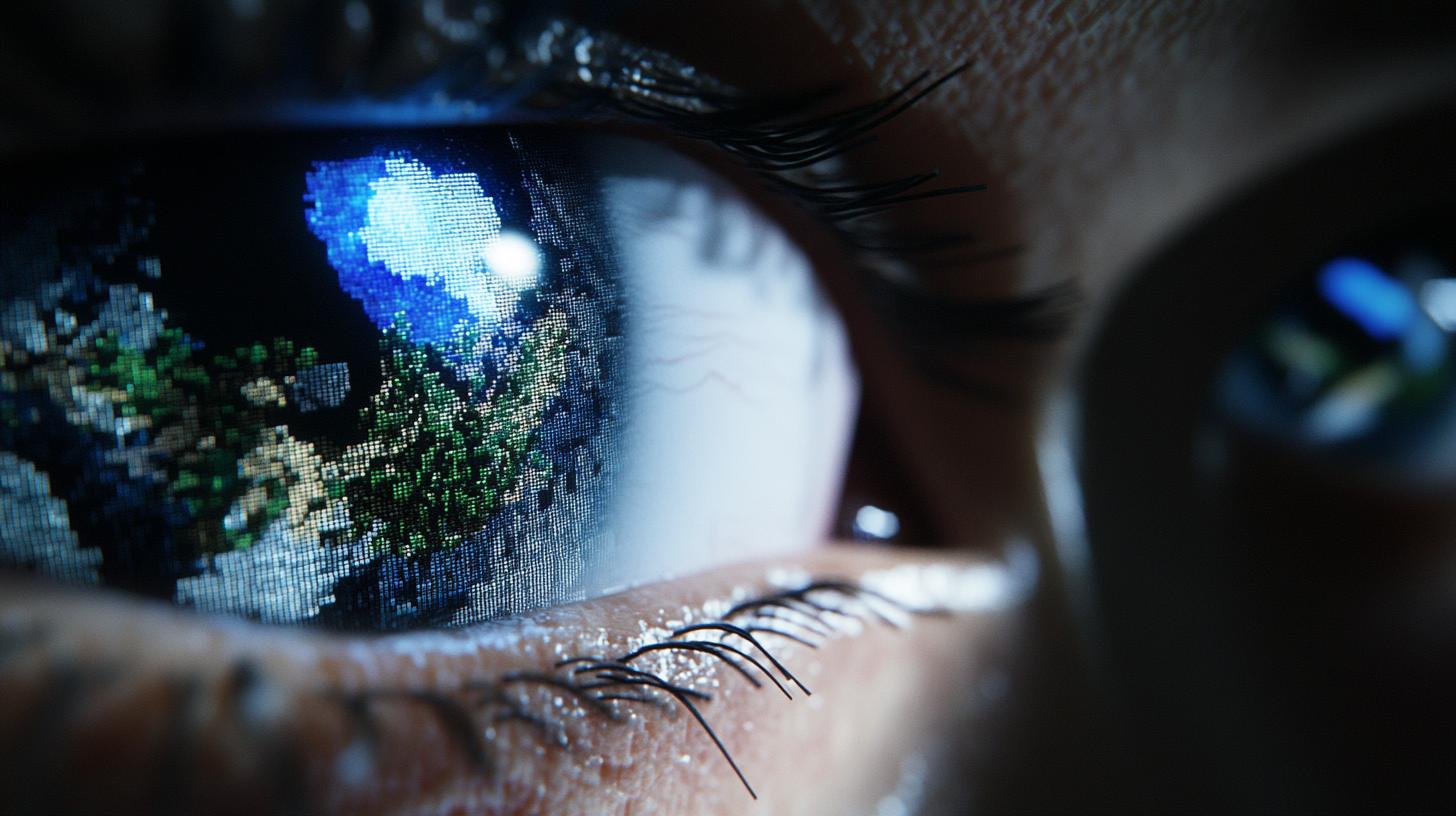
(408, 240)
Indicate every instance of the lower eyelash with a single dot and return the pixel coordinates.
(597, 682)
(607, 688)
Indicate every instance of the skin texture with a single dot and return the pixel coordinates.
(132, 664)
(1103, 129)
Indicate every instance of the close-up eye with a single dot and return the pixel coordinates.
(783, 407)
(379, 381)
(368, 462)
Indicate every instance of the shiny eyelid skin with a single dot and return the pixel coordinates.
(549, 68)
(677, 663)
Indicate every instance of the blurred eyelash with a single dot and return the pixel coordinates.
(800, 155)
(740, 640)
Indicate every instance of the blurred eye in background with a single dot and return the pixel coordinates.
(1255, 501)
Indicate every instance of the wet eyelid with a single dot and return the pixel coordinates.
(349, 722)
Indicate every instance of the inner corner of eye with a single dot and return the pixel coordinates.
(431, 378)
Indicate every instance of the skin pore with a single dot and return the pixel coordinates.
(1101, 132)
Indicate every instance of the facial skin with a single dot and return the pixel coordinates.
(1102, 133)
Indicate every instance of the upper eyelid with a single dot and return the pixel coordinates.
(417, 68)
(542, 67)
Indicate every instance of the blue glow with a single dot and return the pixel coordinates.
(407, 239)
(419, 111)
(871, 522)
(1383, 307)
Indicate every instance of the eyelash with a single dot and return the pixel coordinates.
(795, 155)
(603, 686)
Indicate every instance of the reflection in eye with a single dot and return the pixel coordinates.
(1357, 357)
(416, 379)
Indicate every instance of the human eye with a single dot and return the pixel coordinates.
(456, 385)
(1265, 492)
(531, 432)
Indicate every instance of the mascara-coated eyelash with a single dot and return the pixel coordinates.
(659, 675)
(787, 150)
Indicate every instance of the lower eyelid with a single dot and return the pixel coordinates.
(277, 714)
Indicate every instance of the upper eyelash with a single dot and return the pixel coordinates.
(797, 154)
(790, 151)
(514, 59)
(601, 684)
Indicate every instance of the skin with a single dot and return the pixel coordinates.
(861, 695)
(1102, 133)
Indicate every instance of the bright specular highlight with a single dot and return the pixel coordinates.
(391, 220)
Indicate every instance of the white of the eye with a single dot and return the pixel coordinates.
(741, 390)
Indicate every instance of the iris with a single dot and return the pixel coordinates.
(383, 381)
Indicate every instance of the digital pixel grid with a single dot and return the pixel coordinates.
(382, 399)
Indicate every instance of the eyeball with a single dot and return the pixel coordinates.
(382, 380)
